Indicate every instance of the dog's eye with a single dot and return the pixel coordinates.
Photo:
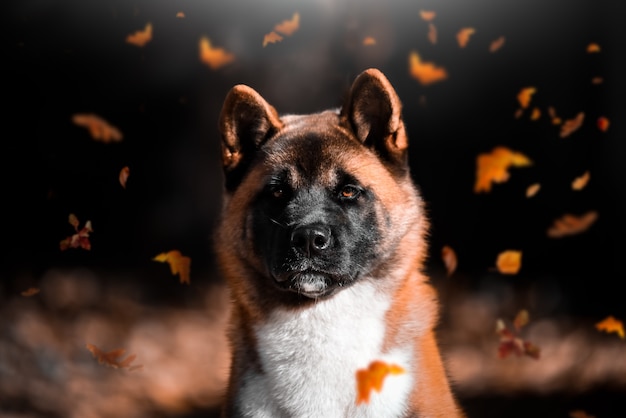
(278, 191)
(349, 192)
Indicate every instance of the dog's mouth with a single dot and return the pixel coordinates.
(310, 283)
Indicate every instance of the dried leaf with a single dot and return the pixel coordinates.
(180, 15)
(372, 378)
(493, 167)
(572, 125)
(179, 264)
(427, 15)
(123, 177)
(271, 38)
(593, 47)
(289, 27)
(611, 324)
(369, 41)
(555, 119)
(533, 189)
(571, 225)
(432, 33)
(112, 358)
(512, 343)
(30, 292)
(214, 57)
(449, 259)
(463, 36)
(141, 37)
(580, 414)
(603, 123)
(579, 183)
(509, 262)
(80, 239)
(536, 114)
(524, 96)
(496, 44)
(521, 319)
(425, 72)
(99, 129)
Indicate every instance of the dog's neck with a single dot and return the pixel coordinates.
(309, 358)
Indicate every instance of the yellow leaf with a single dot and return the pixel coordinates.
(425, 72)
(372, 378)
(141, 37)
(509, 262)
(214, 57)
(179, 264)
(611, 324)
(493, 167)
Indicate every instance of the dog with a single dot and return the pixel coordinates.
(322, 245)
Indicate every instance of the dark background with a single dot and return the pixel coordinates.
(67, 57)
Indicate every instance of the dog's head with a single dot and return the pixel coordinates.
(315, 203)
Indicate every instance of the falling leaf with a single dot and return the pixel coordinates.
(427, 15)
(597, 80)
(214, 57)
(99, 129)
(580, 414)
(509, 262)
(369, 41)
(124, 173)
(593, 47)
(372, 378)
(180, 15)
(555, 119)
(533, 189)
(449, 258)
(30, 292)
(289, 27)
(603, 123)
(518, 113)
(432, 33)
(80, 239)
(511, 342)
(112, 358)
(463, 36)
(493, 167)
(611, 324)
(141, 37)
(179, 264)
(425, 72)
(524, 96)
(579, 183)
(571, 224)
(572, 125)
(271, 38)
(536, 114)
(496, 44)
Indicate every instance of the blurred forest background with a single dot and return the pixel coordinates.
(67, 57)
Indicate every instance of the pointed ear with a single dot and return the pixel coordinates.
(374, 112)
(245, 123)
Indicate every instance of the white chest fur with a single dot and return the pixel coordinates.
(310, 359)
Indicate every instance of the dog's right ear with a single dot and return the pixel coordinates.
(245, 123)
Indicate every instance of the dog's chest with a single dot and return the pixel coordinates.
(310, 358)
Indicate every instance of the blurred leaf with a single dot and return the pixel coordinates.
(141, 37)
(373, 377)
(603, 123)
(579, 183)
(449, 258)
(496, 44)
(524, 96)
(611, 324)
(112, 358)
(593, 47)
(214, 57)
(427, 15)
(99, 129)
(463, 36)
(425, 72)
(493, 167)
(179, 264)
(571, 224)
(80, 239)
(533, 189)
(572, 125)
(509, 262)
(30, 292)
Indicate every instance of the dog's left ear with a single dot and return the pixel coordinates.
(374, 112)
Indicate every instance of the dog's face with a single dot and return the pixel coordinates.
(315, 202)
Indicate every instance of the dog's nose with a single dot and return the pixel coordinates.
(311, 239)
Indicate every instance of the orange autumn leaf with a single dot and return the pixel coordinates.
(271, 38)
(496, 44)
(463, 36)
(449, 258)
(593, 47)
(509, 262)
(597, 80)
(179, 264)
(555, 119)
(372, 378)
(572, 125)
(432, 33)
(112, 358)
(289, 27)
(611, 324)
(580, 414)
(180, 15)
(123, 177)
(425, 72)
(214, 57)
(579, 183)
(98, 128)
(30, 292)
(521, 319)
(427, 15)
(141, 37)
(369, 41)
(80, 239)
(536, 114)
(524, 96)
(493, 167)
(603, 123)
(571, 224)
(533, 189)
